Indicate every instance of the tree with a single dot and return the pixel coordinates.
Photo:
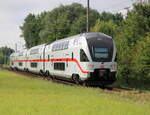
(116, 18)
(137, 23)
(56, 26)
(142, 58)
(109, 23)
(61, 22)
(133, 44)
(5, 52)
(30, 30)
(108, 28)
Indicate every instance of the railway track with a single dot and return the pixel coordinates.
(60, 81)
(33, 75)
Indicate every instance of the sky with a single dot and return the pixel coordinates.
(13, 13)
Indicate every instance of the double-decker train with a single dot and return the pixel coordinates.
(88, 57)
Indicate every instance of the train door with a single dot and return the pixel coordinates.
(44, 57)
(73, 63)
(67, 65)
(51, 62)
(26, 60)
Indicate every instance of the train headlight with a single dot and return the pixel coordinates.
(113, 67)
(90, 66)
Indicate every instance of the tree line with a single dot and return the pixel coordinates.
(131, 34)
(5, 52)
(61, 22)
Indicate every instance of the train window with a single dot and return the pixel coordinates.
(34, 51)
(60, 46)
(20, 63)
(66, 44)
(53, 47)
(101, 53)
(12, 63)
(48, 57)
(67, 62)
(72, 55)
(83, 56)
(21, 54)
(33, 65)
(59, 66)
(57, 47)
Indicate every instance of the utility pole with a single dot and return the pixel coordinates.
(88, 6)
(16, 47)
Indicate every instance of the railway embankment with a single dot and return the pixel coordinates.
(37, 96)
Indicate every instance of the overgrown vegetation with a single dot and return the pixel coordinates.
(21, 95)
(133, 44)
(132, 34)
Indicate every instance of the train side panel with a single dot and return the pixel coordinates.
(35, 59)
(21, 60)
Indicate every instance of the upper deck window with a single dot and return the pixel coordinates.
(21, 54)
(60, 46)
(34, 51)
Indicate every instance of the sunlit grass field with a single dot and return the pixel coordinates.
(21, 95)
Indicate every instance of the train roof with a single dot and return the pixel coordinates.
(39, 46)
(96, 34)
(86, 35)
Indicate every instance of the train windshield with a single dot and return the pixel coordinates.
(101, 48)
(100, 53)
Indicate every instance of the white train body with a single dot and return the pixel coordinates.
(17, 60)
(12, 59)
(21, 65)
(35, 58)
(85, 57)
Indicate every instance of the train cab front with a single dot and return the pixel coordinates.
(103, 53)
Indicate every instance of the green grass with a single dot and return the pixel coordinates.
(20, 95)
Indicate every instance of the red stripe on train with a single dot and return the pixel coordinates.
(55, 60)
